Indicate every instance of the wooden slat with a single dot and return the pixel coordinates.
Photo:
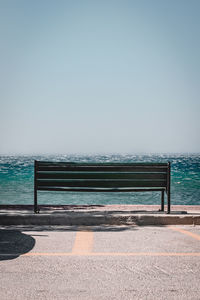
(103, 190)
(103, 167)
(46, 163)
(101, 183)
(100, 175)
(141, 169)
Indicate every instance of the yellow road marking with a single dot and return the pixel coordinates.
(193, 235)
(111, 254)
(83, 242)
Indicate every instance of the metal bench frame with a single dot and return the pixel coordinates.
(102, 177)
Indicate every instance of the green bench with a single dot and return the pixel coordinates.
(102, 177)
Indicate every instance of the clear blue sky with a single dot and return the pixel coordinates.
(99, 76)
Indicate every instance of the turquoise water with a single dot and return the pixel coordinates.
(16, 180)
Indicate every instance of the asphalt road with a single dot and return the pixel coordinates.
(107, 262)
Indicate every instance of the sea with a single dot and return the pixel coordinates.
(17, 177)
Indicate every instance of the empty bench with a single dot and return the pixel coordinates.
(102, 177)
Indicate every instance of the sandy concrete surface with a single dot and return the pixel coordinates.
(114, 207)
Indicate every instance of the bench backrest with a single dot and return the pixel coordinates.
(105, 176)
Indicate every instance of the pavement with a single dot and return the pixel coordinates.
(94, 215)
(99, 253)
(99, 262)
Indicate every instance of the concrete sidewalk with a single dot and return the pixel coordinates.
(94, 215)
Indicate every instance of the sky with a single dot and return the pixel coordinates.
(103, 76)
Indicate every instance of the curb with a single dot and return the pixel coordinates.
(103, 219)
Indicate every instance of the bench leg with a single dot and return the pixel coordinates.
(36, 210)
(162, 201)
(168, 202)
(168, 189)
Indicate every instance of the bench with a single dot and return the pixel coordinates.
(102, 177)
